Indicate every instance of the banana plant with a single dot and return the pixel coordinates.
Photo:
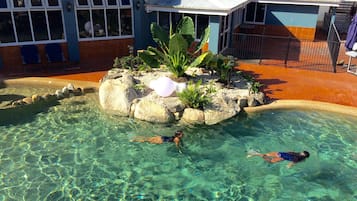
(172, 50)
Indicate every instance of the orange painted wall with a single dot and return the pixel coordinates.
(12, 61)
(90, 52)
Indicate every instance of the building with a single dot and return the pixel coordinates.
(90, 31)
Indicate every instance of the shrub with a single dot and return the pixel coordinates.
(254, 85)
(130, 62)
(222, 65)
(193, 96)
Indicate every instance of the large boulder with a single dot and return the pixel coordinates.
(219, 110)
(153, 111)
(193, 116)
(116, 96)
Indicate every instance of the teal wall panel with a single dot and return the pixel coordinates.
(214, 34)
(292, 15)
(142, 21)
(71, 31)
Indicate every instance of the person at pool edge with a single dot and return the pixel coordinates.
(274, 157)
(176, 138)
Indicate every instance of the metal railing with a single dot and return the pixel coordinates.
(286, 51)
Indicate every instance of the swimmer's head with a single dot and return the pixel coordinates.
(306, 154)
(178, 133)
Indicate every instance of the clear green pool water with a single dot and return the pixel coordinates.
(74, 151)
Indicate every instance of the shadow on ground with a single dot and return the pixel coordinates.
(266, 83)
(24, 113)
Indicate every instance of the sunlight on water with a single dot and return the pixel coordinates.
(74, 151)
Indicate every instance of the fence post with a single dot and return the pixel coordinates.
(261, 49)
(287, 53)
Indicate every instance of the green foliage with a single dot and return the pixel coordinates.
(193, 96)
(210, 87)
(173, 47)
(254, 85)
(116, 63)
(140, 87)
(222, 65)
(130, 62)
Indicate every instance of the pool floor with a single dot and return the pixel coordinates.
(75, 151)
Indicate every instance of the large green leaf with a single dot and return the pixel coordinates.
(186, 26)
(177, 44)
(150, 58)
(159, 35)
(199, 60)
(204, 39)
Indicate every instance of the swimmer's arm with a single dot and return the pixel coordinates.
(290, 164)
(178, 144)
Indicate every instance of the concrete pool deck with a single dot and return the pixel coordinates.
(285, 88)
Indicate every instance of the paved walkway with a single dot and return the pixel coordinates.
(282, 83)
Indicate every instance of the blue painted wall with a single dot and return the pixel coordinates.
(214, 34)
(292, 15)
(142, 21)
(71, 31)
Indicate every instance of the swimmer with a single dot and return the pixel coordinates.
(274, 157)
(161, 139)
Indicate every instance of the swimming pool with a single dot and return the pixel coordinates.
(74, 151)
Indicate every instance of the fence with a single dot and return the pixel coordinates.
(287, 51)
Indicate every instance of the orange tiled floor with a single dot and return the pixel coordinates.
(288, 83)
(284, 83)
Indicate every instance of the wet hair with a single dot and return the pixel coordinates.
(307, 154)
(178, 133)
(298, 157)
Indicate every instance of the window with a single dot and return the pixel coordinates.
(255, 13)
(3, 4)
(36, 3)
(98, 19)
(225, 31)
(97, 2)
(39, 25)
(56, 24)
(7, 34)
(53, 3)
(112, 2)
(23, 27)
(19, 3)
(125, 21)
(200, 21)
(31, 21)
(202, 24)
(125, 2)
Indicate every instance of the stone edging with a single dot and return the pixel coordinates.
(51, 82)
(305, 104)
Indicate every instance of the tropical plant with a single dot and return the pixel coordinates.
(193, 96)
(254, 86)
(130, 62)
(222, 65)
(174, 47)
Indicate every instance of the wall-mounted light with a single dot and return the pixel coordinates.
(138, 4)
(69, 6)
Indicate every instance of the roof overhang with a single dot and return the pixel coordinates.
(334, 3)
(222, 7)
(205, 7)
